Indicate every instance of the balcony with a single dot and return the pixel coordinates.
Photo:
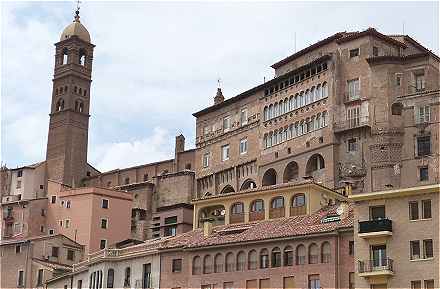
(276, 213)
(375, 228)
(256, 216)
(353, 123)
(376, 268)
(236, 218)
(353, 98)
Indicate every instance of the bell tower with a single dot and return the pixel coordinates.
(66, 154)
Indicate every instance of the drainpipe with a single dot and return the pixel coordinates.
(27, 264)
(337, 260)
(160, 269)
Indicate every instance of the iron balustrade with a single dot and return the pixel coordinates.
(375, 265)
(375, 226)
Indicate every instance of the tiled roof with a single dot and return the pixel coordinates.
(264, 230)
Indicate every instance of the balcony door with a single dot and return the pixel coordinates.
(377, 213)
(379, 256)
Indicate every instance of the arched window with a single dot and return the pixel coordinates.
(326, 254)
(315, 163)
(270, 111)
(269, 177)
(237, 209)
(127, 277)
(265, 142)
(266, 113)
(275, 137)
(300, 255)
(241, 261)
(207, 264)
(297, 102)
(280, 136)
(318, 94)
(60, 105)
(275, 108)
(218, 263)
(312, 94)
(257, 206)
(290, 172)
(324, 119)
(313, 254)
(196, 265)
(281, 107)
(252, 260)
(324, 89)
(229, 262)
(110, 278)
(82, 57)
(307, 96)
(248, 184)
(318, 121)
(276, 257)
(277, 203)
(79, 106)
(65, 56)
(286, 105)
(264, 259)
(289, 132)
(291, 103)
(288, 256)
(227, 190)
(302, 99)
(270, 140)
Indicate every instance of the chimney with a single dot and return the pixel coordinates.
(207, 227)
(219, 96)
(179, 147)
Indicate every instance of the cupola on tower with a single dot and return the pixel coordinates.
(66, 154)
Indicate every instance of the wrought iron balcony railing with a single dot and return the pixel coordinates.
(375, 265)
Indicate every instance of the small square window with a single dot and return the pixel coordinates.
(352, 145)
(102, 244)
(104, 204)
(354, 52)
(55, 251)
(177, 265)
(53, 199)
(51, 231)
(41, 187)
(423, 173)
(70, 255)
(104, 223)
(18, 249)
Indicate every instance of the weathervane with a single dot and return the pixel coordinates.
(77, 11)
(77, 5)
(219, 83)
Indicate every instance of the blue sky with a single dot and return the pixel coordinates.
(156, 63)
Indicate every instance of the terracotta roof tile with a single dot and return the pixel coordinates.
(264, 230)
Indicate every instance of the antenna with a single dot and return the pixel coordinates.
(219, 83)
(403, 27)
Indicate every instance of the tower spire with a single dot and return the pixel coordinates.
(219, 96)
(77, 11)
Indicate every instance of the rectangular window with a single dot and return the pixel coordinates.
(244, 116)
(177, 266)
(352, 145)
(70, 255)
(226, 123)
(429, 284)
(414, 250)
(39, 277)
(53, 199)
(104, 204)
(413, 210)
(55, 251)
(420, 82)
(314, 282)
(18, 184)
(377, 212)
(351, 248)
(417, 284)
(243, 146)
(170, 231)
(424, 173)
(354, 52)
(51, 231)
(20, 278)
(354, 116)
(18, 249)
(79, 284)
(351, 280)
(375, 51)
(426, 209)
(353, 89)
(225, 152)
(423, 114)
(423, 145)
(427, 249)
(102, 244)
(104, 223)
(19, 174)
(67, 224)
(206, 160)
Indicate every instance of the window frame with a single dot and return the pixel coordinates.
(243, 147)
(107, 201)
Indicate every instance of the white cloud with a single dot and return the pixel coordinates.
(156, 147)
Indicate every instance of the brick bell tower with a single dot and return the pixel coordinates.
(66, 154)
